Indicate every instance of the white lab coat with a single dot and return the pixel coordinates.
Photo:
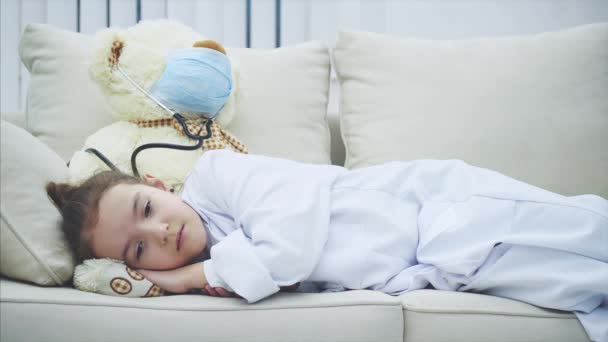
(399, 227)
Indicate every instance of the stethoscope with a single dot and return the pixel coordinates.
(176, 116)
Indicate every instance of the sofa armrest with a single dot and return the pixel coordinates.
(16, 118)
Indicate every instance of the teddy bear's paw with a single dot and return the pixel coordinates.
(114, 278)
(155, 291)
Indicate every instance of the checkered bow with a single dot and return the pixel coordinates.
(219, 139)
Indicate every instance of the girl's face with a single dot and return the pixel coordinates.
(146, 226)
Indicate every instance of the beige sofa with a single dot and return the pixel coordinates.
(532, 107)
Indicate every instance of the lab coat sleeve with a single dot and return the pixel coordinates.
(212, 278)
(281, 210)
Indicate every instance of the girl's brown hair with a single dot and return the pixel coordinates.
(79, 204)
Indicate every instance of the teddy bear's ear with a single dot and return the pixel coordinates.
(115, 52)
(210, 44)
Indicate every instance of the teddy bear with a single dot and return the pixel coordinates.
(114, 278)
(121, 61)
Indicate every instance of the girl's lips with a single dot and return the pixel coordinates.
(180, 237)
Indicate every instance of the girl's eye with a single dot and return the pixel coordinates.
(140, 249)
(147, 209)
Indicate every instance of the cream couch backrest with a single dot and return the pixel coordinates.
(532, 107)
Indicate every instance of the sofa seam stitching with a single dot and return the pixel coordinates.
(475, 312)
(389, 305)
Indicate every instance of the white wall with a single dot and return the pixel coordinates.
(301, 20)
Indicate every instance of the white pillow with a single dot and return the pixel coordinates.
(280, 109)
(63, 105)
(282, 102)
(32, 247)
(533, 107)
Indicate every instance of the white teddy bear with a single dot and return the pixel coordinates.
(141, 52)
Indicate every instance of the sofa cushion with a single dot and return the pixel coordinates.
(474, 317)
(281, 100)
(532, 107)
(344, 316)
(32, 247)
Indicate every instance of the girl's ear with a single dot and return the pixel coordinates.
(155, 182)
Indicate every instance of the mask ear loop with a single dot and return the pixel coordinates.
(176, 116)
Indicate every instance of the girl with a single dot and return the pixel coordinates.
(261, 223)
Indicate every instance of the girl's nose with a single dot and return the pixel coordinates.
(164, 230)
(160, 232)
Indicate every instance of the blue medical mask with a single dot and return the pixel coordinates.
(195, 81)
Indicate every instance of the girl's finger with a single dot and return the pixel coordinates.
(211, 291)
(222, 292)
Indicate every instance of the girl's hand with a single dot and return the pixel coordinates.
(290, 288)
(179, 280)
(219, 292)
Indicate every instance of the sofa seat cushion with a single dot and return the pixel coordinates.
(342, 316)
(432, 315)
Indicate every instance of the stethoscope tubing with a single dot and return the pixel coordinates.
(179, 118)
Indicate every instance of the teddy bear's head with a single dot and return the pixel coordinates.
(142, 52)
(147, 53)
